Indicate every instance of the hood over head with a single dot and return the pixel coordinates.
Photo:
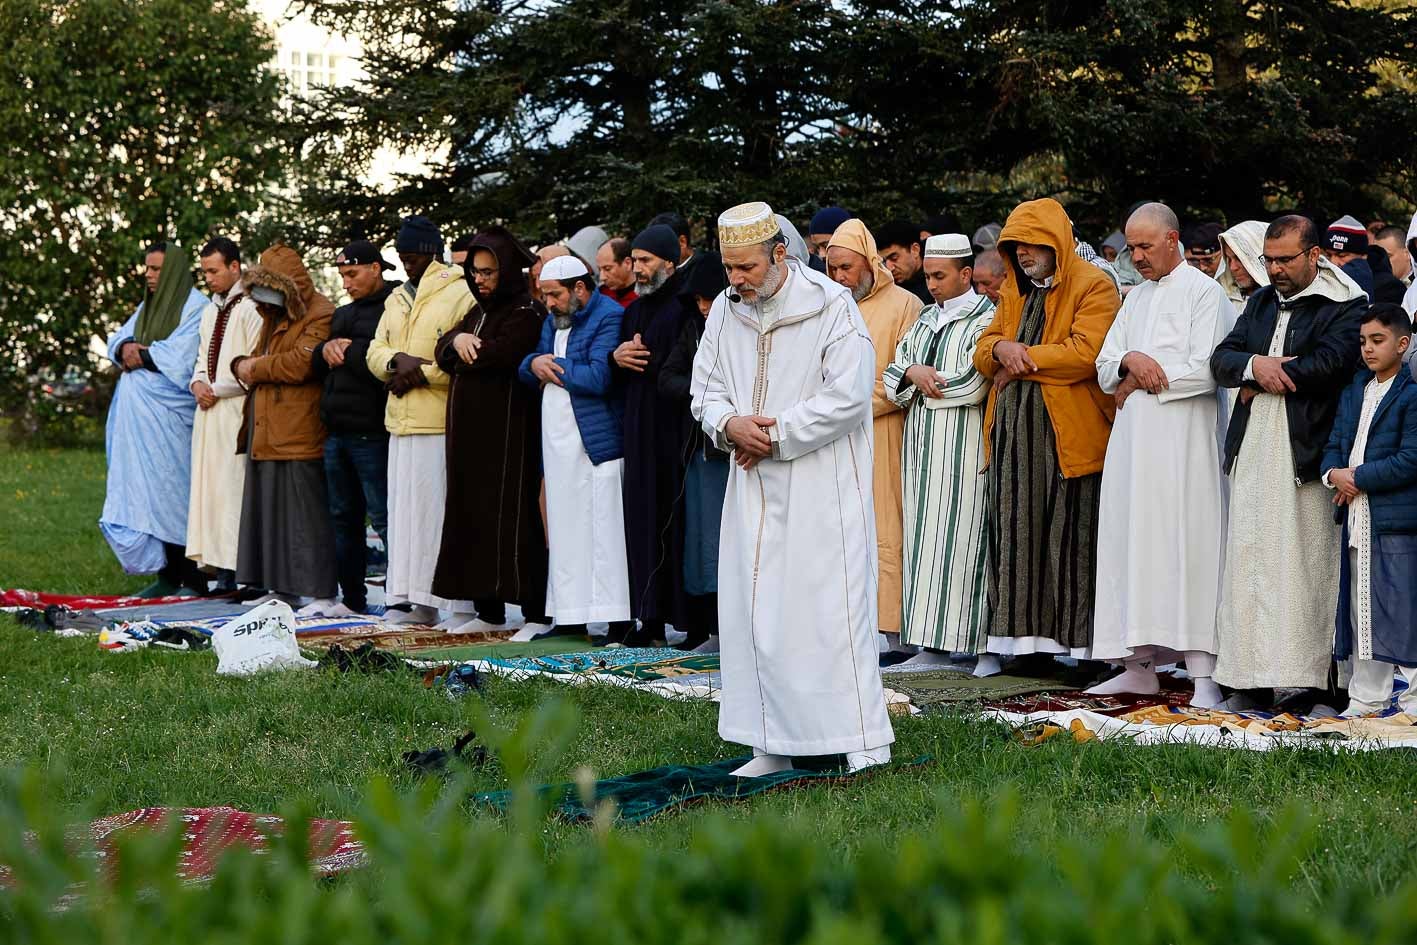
(796, 245)
(286, 261)
(264, 276)
(1246, 241)
(853, 235)
(1041, 222)
(513, 259)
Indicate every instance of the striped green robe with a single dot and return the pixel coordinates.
(946, 604)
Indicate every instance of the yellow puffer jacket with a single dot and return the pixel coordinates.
(413, 326)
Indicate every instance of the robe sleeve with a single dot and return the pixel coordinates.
(243, 334)
(505, 343)
(882, 399)
(841, 406)
(176, 355)
(199, 363)
(984, 351)
(965, 389)
(1114, 349)
(712, 406)
(292, 366)
(124, 333)
(591, 377)
(1231, 358)
(1335, 456)
(1192, 377)
(1074, 361)
(901, 392)
(676, 377)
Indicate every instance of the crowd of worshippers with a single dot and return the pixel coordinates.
(1196, 447)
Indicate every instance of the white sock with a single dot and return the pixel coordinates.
(988, 665)
(859, 760)
(762, 764)
(1138, 676)
(1207, 695)
(928, 658)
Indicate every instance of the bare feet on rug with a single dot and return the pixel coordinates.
(416, 615)
(928, 658)
(988, 665)
(860, 760)
(530, 631)
(1207, 694)
(764, 764)
(1138, 678)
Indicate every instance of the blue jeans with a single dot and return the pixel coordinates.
(357, 474)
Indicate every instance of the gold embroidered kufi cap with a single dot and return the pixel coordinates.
(747, 224)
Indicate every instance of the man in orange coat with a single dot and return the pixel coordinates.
(1046, 427)
(888, 311)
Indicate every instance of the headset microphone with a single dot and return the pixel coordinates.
(734, 297)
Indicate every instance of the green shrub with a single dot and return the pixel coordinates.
(444, 871)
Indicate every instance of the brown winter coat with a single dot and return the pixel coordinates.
(284, 403)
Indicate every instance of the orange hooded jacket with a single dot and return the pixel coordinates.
(1079, 310)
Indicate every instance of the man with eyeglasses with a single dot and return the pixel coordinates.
(1291, 353)
(1202, 243)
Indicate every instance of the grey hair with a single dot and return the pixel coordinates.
(1157, 214)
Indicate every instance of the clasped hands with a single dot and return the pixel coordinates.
(750, 439)
(1143, 373)
(406, 374)
(1345, 487)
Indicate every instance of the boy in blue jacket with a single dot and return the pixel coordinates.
(1371, 464)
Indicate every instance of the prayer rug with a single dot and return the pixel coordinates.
(208, 832)
(636, 798)
(39, 600)
(941, 686)
(664, 671)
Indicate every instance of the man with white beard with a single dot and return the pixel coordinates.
(783, 379)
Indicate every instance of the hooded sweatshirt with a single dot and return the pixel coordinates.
(888, 311)
(285, 401)
(1079, 310)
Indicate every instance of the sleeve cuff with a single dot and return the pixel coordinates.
(1249, 374)
(148, 361)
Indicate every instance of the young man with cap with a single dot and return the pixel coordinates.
(933, 378)
(820, 230)
(581, 451)
(654, 526)
(1345, 244)
(783, 378)
(1202, 243)
(416, 314)
(352, 406)
(231, 327)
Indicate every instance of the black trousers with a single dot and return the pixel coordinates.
(181, 570)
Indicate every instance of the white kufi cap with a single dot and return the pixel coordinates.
(563, 267)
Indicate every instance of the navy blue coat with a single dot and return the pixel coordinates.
(595, 331)
(1388, 475)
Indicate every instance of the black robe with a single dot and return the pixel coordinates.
(654, 464)
(493, 543)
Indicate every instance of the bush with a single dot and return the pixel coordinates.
(437, 874)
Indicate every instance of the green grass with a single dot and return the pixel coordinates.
(117, 732)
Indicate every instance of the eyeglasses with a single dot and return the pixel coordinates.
(484, 273)
(1283, 260)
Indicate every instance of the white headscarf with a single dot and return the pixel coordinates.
(1246, 241)
(796, 245)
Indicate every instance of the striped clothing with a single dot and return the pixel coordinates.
(1043, 539)
(945, 556)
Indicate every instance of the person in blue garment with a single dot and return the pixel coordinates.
(149, 434)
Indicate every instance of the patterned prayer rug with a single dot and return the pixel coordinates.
(941, 686)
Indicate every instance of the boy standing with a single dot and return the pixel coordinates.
(1371, 464)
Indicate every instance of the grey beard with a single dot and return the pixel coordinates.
(772, 281)
(560, 321)
(655, 283)
(864, 287)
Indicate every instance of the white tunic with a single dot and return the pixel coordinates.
(218, 472)
(588, 577)
(1360, 525)
(1161, 528)
(418, 491)
(797, 555)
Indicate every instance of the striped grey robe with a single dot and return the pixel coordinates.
(945, 560)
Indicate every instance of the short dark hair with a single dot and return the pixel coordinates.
(570, 283)
(942, 222)
(620, 247)
(675, 222)
(230, 252)
(462, 244)
(964, 262)
(1389, 315)
(898, 233)
(1392, 233)
(159, 247)
(1307, 229)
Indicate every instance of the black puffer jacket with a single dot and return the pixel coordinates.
(353, 399)
(1322, 337)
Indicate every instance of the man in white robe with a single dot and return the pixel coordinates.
(1161, 527)
(783, 379)
(231, 329)
(1290, 355)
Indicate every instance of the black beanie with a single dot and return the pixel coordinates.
(419, 235)
(659, 240)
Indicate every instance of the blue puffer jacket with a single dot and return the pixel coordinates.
(1389, 470)
(595, 331)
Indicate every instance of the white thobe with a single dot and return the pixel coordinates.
(1161, 527)
(588, 575)
(797, 553)
(218, 471)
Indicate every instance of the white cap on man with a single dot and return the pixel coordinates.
(562, 268)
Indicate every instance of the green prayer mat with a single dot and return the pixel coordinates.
(484, 651)
(638, 797)
(951, 685)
